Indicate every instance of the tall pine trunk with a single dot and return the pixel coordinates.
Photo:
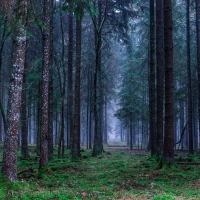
(152, 94)
(98, 94)
(24, 122)
(190, 111)
(198, 53)
(62, 90)
(75, 150)
(51, 103)
(9, 164)
(160, 71)
(45, 85)
(168, 155)
(70, 80)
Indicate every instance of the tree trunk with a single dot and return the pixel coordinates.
(198, 53)
(62, 90)
(169, 84)
(38, 119)
(75, 150)
(160, 77)
(190, 111)
(131, 132)
(2, 42)
(105, 124)
(152, 94)
(98, 94)
(9, 164)
(51, 89)
(24, 122)
(70, 81)
(45, 85)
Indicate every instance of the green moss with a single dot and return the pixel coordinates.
(111, 175)
(164, 197)
(44, 172)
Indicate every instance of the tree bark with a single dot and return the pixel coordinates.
(98, 94)
(9, 165)
(190, 110)
(198, 53)
(24, 123)
(160, 73)
(152, 94)
(75, 150)
(70, 80)
(51, 89)
(62, 90)
(45, 84)
(168, 155)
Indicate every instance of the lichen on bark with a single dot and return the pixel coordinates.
(9, 165)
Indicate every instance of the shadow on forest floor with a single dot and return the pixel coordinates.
(116, 174)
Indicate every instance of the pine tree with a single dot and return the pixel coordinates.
(168, 155)
(47, 11)
(9, 165)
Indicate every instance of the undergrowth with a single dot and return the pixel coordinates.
(113, 175)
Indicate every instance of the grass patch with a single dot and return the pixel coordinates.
(113, 175)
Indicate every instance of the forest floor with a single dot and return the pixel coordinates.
(118, 173)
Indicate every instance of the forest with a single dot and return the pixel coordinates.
(100, 99)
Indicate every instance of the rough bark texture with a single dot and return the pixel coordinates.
(75, 150)
(169, 84)
(198, 52)
(98, 96)
(62, 84)
(152, 89)
(45, 84)
(51, 103)
(160, 72)
(50, 124)
(190, 111)
(9, 165)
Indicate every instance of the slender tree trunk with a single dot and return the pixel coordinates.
(160, 77)
(38, 119)
(70, 80)
(90, 119)
(9, 164)
(105, 123)
(51, 103)
(50, 123)
(152, 94)
(198, 53)
(45, 85)
(62, 90)
(98, 94)
(169, 84)
(75, 150)
(3, 38)
(190, 111)
(24, 122)
(131, 133)
(88, 105)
